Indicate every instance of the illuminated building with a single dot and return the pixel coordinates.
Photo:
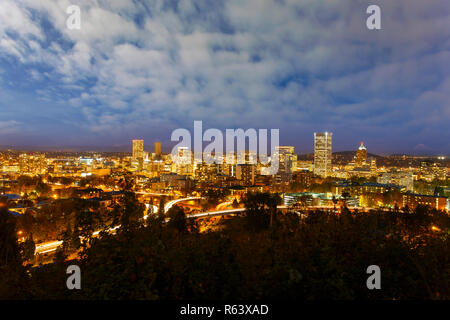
(361, 155)
(183, 161)
(138, 153)
(206, 172)
(361, 172)
(305, 178)
(287, 163)
(436, 202)
(430, 171)
(32, 163)
(177, 181)
(155, 168)
(158, 148)
(367, 187)
(398, 178)
(305, 165)
(138, 149)
(227, 169)
(322, 153)
(246, 173)
(373, 163)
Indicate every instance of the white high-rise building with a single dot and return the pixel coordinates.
(322, 153)
(138, 149)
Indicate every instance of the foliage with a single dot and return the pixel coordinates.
(263, 254)
(212, 197)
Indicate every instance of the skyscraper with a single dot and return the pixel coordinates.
(322, 153)
(158, 148)
(287, 162)
(361, 155)
(138, 149)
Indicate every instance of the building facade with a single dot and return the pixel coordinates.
(361, 155)
(322, 153)
(138, 149)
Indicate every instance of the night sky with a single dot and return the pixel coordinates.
(140, 69)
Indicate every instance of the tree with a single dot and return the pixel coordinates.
(132, 209)
(346, 196)
(162, 203)
(28, 248)
(212, 197)
(439, 191)
(260, 209)
(42, 189)
(335, 201)
(177, 219)
(69, 241)
(9, 248)
(83, 226)
(13, 282)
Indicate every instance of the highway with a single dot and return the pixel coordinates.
(154, 193)
(53, 245)
(221, 212)
(223, 205)
(47, 247)
(170, 204)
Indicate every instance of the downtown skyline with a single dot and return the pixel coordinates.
(142, 69)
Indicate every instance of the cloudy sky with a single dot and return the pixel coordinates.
(142, 68)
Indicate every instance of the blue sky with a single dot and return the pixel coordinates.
(144, 68)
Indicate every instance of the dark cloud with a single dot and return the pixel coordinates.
(143, 68)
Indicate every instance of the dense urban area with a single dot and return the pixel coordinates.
(143, 226)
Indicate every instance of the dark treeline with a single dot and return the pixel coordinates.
(260, 254)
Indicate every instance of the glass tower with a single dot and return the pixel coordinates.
(322, 153)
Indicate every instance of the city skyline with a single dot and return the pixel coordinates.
(166, 147)
(139, 69)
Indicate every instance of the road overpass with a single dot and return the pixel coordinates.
(171, 203)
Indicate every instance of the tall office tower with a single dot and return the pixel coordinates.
(361, 155)
(322, 153)
(158, 148)
(138, 149)
(287, 163)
